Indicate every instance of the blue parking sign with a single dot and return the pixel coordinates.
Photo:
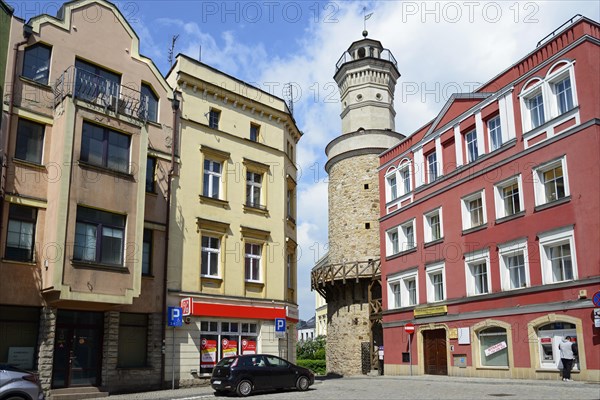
(175, 317)
(279, 324)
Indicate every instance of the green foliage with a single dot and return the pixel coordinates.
(311, 349)
(316, 366)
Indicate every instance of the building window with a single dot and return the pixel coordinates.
(133, 340)
(408, 233)
(20, 328)
(432, 167)
(403, 290)
(151, 175)
(405, 178)
(20, 237)
(495, 132)
(436, 287)
(535, 104)
(392, 186)
(551, 181)
(253, 259)
(493, 347)
(104, 147)
(558, 259)
(36, 64)
(212, 179)
(478, 277)
(211, 252)
(471, 142)
(473, 210)
(149, 102)
(549, 337)
(30, 141)
(509, 197)
(393, 245)
(564, 96)
(514, 265)
(433, 225)
(94, 83)
(253, 189)
(99, 236)
(147, 253)
(254, 132)
(213, 118)
(290, 270)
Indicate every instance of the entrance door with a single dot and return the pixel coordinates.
(435, 352)
(77, 352)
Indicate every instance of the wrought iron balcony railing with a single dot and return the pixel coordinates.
(102, 92)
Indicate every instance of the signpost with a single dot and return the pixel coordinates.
(409, 329)
(596, 299)
(175, 318)
(280, 327)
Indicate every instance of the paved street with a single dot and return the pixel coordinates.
(418, 387)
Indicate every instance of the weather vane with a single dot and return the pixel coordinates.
(365, 18)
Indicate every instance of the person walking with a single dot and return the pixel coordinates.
(566, 356)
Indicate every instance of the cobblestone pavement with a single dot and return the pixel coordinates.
(404, 387)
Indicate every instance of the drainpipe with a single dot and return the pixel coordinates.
(27, 32)
(172, 172)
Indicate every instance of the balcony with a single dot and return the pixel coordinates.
(385, 55)
(101, 92)
(331, 273)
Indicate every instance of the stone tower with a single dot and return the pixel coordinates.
(350, 279)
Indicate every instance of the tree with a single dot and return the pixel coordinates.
(311, 349)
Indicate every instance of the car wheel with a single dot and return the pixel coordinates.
(244, 388)
(302, 383)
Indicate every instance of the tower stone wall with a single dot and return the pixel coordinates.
(353, 203)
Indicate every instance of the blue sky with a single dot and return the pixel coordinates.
(441, 48)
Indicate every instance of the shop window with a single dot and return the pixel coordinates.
(493, 346)
(19, 327)
(549, 337)
(133, 340)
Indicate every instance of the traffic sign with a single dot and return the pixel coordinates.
(175, 317)
(279, 324)
(409, 328)
(596, 299)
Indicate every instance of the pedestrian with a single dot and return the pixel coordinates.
(566, 356)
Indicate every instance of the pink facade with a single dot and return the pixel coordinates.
(490, 222)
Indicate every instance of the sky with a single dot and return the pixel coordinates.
(442, 47)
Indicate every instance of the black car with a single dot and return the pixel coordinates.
(247, 373)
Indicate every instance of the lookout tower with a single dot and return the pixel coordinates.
(350, 280)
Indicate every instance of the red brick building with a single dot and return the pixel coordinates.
(490, 222)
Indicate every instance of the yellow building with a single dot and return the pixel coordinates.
(321, 304)
(232, 244)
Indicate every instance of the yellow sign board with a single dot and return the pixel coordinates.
(430, 311)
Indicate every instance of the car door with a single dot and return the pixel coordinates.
(258, 369)
(282, 375)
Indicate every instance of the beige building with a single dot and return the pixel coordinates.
(232, 246)
(85, 134)
(321, 304)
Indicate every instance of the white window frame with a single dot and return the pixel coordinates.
(212, 252)
(428, 234)
(405, 244)
(471, 139)
(538, 180)
(390, 250)
(511, 249)
(552, 239)
(554, 78)
(466, 214)
(211, 176)
(499, 196)
(431, 270)
(402, 280)
(495, 132)
(401, 182)
(471, 260)
(431, 178)
(254, 258)
(252, 187)
(389, 188)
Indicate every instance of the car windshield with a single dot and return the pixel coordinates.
(226, 362)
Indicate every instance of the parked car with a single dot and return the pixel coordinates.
(247, 373)
(18, 384)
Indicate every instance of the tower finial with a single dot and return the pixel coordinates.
(365, 18)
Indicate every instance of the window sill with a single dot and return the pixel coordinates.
(153, 194)
(291, 222)
(433, 242)
(510, 217)
(402, 253)
(551, 204)
(211, 278)
(36, 83)
(98, 266)
(147, 276)
(155, 124)
(262, 210)
(125, 175)
(475, 229)
(492, 368)
(254, 283)
(20, 262)
(555, 370)
(29, 164)
(213, 201)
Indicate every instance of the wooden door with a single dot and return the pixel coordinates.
(435, 356)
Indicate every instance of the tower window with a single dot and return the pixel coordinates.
(367, 225)
(366, 185)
